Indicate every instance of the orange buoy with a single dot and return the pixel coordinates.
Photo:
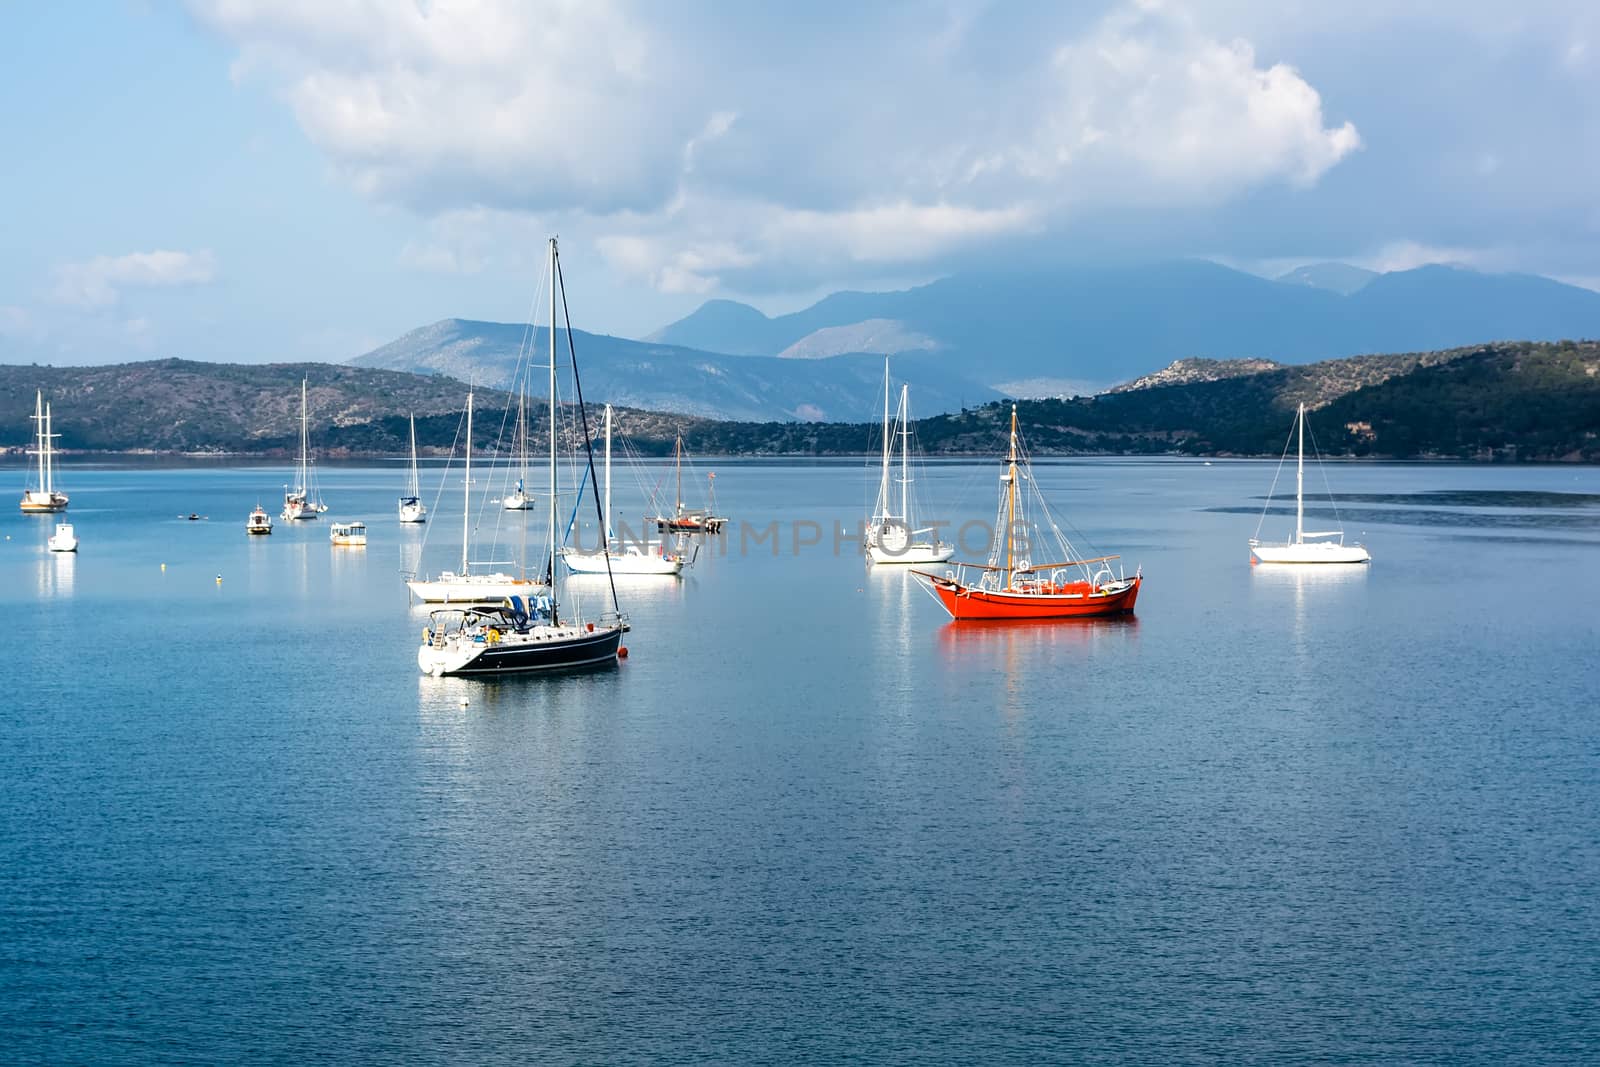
(622, 651)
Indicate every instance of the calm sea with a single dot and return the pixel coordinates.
(1341, 816)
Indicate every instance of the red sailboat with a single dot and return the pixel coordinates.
(1011, 585)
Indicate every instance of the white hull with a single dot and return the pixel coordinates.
(916, 553)
(294, 510)
(413, 513)
(1311, 552)
(64, 539)
(518, 502)
(473, 588)
(626, 560)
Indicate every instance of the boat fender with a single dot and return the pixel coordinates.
(591, 627)
(622, 651)
(427, 636)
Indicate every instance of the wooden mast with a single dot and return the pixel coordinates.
(1011, 497)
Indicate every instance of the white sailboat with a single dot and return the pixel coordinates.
(616, 555)
(519, 499)
(891, 535)
(523, 635)
(411, 506)
(301, 501)
(1307, 546)
(464, 586)
(45, 499)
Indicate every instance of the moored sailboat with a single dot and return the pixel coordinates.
(519, 499)
(302, 501)
(465, 586)
(521, 635)
(1306, 546)
(685, 519)
(616, 555)
(892, 536)
(1011, 586)
(412, 509)
(46, 499)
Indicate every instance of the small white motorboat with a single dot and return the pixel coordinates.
(65, 539)
(349, 534)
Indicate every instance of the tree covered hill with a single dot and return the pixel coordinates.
(1516, 401)
(1519, 401)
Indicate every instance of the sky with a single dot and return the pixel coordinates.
(274, 180)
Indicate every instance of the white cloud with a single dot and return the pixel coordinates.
(99, 282)
(702, 146)
(1148, 106)
(547, 105)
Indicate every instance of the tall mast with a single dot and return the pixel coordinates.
(883, 487)
(552, 561)
(39, 430)
(415, 487)
(1299, 481)
(606, 516)
(1011, 494)
(905, 461)
(466, 489)
(305, 478)
(49, 450)
(677, 454)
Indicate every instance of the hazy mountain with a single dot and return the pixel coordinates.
(1339, 278)
(884, 337)
(1101, 325)
(660, 377)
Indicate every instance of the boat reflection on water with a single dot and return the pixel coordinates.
(56, 572)
(1307, 591)
(640, 590)
(1032, 655)
(1046, 635)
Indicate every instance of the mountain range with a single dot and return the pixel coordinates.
(1083, 329)
(971, 338)
(664, 377)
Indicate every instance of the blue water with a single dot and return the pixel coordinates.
(1333, 817)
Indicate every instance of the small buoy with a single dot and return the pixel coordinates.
(163, 568)
(219, 579)
(463, 701)
(622, 651)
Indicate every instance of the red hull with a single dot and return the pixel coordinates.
(1074, 600)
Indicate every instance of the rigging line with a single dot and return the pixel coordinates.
(1274, 487)
(438, 494)
(588, 440)
(1044, 507)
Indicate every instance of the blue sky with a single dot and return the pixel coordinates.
(252, 180)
